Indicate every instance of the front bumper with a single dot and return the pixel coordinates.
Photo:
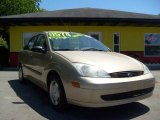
(93, 91)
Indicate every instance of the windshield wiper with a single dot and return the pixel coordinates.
(91, 49)
(65, 49)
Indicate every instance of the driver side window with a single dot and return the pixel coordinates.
(31, 43)
(41, 41)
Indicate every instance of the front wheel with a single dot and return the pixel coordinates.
(20, 74)
(57, 94)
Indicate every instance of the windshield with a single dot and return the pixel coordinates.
(67, 41)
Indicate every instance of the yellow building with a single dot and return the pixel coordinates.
(134, 34)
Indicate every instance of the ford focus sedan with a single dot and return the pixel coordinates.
(77, 69)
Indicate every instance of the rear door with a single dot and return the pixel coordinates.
(26, 56)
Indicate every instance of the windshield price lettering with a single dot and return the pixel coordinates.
(58, 35)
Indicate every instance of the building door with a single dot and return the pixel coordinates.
(116, 42)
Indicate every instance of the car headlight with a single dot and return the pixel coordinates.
(146, 70)
(90, 71)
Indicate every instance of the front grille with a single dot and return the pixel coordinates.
(125, 95)
(126, 74)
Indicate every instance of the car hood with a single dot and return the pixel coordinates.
(108, 61)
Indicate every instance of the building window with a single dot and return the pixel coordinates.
(116, 42)
(152, 44)
(96, 35)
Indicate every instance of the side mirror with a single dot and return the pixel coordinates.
(38, 49)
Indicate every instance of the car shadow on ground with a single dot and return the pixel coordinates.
(8, 69)
(38, 100)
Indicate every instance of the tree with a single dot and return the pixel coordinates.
(11, 7)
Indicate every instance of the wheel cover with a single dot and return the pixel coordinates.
(54, 93)
(20, 74)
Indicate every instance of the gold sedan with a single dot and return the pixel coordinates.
(78, 69)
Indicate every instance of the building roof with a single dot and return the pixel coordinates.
(83, 14)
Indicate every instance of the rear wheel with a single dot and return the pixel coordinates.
(57, 94)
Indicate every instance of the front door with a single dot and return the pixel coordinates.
(40, 59)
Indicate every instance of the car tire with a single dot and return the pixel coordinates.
(57, 93)
(20, 75)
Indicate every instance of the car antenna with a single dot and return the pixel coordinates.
(65, 25)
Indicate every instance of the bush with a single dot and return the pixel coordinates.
(3, 52)
(3, 43)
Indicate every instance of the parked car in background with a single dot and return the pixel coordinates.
(78, 69)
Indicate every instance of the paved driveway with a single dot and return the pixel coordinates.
(29, 102)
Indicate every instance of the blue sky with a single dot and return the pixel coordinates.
(139, 6)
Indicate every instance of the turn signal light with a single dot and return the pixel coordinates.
(75, 84)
